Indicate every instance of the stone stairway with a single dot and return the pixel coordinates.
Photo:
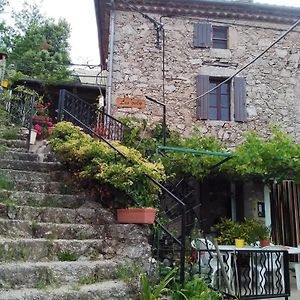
(55, 243)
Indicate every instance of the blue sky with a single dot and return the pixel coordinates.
(81, 15)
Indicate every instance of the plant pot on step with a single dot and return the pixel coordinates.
(136, 215)
(33, 135)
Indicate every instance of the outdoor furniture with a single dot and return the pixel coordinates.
(208, 259)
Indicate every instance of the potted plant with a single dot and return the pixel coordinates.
(144, 213)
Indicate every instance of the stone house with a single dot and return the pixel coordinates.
(176, 51)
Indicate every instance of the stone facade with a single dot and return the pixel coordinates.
(272, 83)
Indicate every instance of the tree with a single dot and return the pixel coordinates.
(38, 46)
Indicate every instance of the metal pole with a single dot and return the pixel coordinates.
(61, 101)
(182, 251)
(30, 121)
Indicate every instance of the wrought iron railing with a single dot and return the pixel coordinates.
(247, 273)
(72, 108)
(21, 108)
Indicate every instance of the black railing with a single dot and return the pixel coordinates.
(247, 273)
(72, 107)
(82, 114)
(20, 107)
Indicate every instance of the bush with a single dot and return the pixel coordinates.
(93, 159)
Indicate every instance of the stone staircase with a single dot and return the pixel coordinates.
(55, 243)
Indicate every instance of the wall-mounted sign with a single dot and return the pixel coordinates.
(130, 102)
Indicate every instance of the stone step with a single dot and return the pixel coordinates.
(17, 175)
(94, 215)
(32, 250)
(105, 290)
(34, 275)
(30, 165)
(27, 229)
(18, 155)
(46, 187)
(14, 143)
(21, 198)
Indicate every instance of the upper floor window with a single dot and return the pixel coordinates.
(208, 36)
(219, 37)
(221, 104)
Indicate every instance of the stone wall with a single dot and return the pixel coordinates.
(273, 96)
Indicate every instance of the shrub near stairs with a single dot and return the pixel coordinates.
(92, 159)
(54, 242)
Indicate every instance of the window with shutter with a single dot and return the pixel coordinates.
(217, 104)
(208, 36)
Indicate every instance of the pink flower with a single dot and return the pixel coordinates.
(38, 127)
(50, 124)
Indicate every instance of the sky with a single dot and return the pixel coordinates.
(81, 15)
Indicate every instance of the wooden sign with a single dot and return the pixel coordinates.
(128, 102)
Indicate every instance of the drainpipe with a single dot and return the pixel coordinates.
(111, 53)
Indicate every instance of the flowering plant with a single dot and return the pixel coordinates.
(43, 130)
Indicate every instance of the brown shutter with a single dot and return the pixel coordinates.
(202, 35)
(203, 102)
(240, 113)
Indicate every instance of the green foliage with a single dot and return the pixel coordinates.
(250, 230)
(275, 157)
(197, 289)
(92, 159)
(155, 292)
(9, 133)
(67, 256)
(37, 46)
(6, 183)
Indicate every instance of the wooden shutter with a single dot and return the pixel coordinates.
(240, 113)
(202, 35)
(203, 102)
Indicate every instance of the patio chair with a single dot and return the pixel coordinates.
(208, 260)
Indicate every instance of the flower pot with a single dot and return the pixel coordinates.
(33, 136)
(4, 83)
(239, 243)
(136, 215)
(264, 243)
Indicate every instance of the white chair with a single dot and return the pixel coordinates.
(208, 260)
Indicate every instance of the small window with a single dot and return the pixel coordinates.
(219, 101)
(219, 37)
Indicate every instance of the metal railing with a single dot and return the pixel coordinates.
(82, 114)
(251, 273)
(72, 108)
(21, 108)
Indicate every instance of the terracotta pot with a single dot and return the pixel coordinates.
(264, 243)
(136, 215)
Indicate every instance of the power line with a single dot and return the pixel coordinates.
(248, 64)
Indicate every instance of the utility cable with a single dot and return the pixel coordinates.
(248, 64)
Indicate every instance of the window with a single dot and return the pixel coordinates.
(220, 104)
(219, 101)
(208, 36)
(219, 37)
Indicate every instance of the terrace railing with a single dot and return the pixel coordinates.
(21, 108)
(251, 273)
(74, 109)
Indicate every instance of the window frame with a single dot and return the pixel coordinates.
(218, 39)
(218, 93)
